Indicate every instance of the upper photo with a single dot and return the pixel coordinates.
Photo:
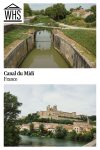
(52, 36)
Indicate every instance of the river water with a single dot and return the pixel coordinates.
(44, 55)
(44, 141)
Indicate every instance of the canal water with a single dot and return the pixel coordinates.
(44, 55)
(44, 141)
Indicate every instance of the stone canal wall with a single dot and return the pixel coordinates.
(17, 52)
(76, 55)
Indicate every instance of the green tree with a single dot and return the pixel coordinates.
(60, 132)
(93, 130)
(42, 12)
(25, 132)
(73, 135)
(27, 10)
(11, 112)
(41, 129)
(57, 11)
(80, 137)
(31, 128)
(93, 118)
(93, 9)
(88, 136)
(91, 18)
(78, 8)
(84, 118)
(49, 12)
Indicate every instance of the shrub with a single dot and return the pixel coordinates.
(90, 18)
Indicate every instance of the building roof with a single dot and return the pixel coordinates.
(12, 6)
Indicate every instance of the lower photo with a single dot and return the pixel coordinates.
(58, 115)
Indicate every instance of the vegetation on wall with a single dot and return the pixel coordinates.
(18, 33)
(35, 118)
(86, 38)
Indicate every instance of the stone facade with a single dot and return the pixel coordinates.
(18, 51)
(75, 54)
(53, 113)
(47, 126)
(82, 126)
(77, 126)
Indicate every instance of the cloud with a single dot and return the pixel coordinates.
(69, 98)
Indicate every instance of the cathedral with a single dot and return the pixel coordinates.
(54, 113)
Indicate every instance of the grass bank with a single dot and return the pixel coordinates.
(86, 38)
(18, 33)
(45, 20)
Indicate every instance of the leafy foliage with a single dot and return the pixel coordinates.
(93, 9)
(35, 118)
(41, 129)
(60, 132)
(90, 18)
(27, 10)
(11, 112)
(86, 137)
(57, 11)
(31, 128)
(93, 118)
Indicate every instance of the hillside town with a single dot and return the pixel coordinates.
(78, 125)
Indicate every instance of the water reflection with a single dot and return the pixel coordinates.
(44, 55)
(45, 141)
(43, 40)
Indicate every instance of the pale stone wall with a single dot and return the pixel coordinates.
(53, 113)
(91, 144)
(78, 127)
(75, 54)
(47, 126)
(30, 42)
(18, 53)
(82, 126)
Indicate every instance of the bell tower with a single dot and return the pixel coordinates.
(55, 108)
(48, 108)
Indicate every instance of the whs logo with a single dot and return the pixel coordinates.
(13, 13)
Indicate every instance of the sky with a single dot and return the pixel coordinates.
(69, 98)
(37, 6)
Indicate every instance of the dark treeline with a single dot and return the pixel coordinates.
(35, 118)
(92, 118)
